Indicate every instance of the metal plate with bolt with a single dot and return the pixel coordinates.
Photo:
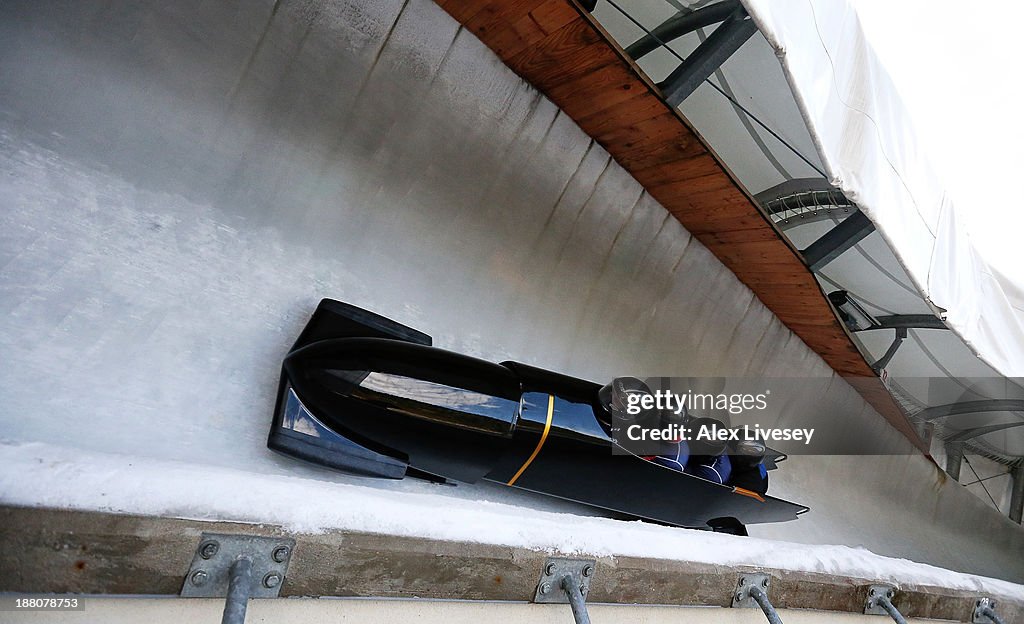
(984, 612)
(873, 604)
(209, 574)
(752, 592)
(741, 598)
(549, 588)
(879, 602)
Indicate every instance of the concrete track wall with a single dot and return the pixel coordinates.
(182, 182)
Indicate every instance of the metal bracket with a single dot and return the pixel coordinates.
(984, 609)
(741, 598)
(752, 592)
(873, 604)
(209, 574)
(879, 602)
(549, 590)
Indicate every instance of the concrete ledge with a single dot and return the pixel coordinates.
(60, 551)
(304, 611)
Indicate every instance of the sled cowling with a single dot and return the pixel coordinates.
(298, 433)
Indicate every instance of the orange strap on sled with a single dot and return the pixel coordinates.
(754, 495)
(540, 444)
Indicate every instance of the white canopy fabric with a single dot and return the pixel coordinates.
(866, 140)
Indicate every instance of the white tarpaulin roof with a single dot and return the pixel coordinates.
(865, 138)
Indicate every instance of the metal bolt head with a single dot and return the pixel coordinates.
(588, 570)
(272, 580)
(199, 578)
(871, 592)
(889, 594)
(764, 583)
(208, 549)
(549, 569)
(545, 588)
(739, 596)
(743, 581)
(583, 588)
(281, 554)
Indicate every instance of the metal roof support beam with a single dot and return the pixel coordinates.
(836, 241)
(803, 194)
(798, 187)
(954, 458)
(972, 407)
(901, 335)
(804, 200)
(708, 57)
(974, 432)
(1017, 493)
(905, 321)
(910, 321)
(679, 25)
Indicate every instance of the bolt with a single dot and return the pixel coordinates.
(208, 549)
(739, 596)
(281, 554)
(588, 570)
(199, 578)
(764, 583)
(583, 588)
(549, 569)
(889, 594)
(871, 593)
(743, 581)
(272, 580)
(545, 588)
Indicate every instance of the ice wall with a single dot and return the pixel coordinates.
(182, 182)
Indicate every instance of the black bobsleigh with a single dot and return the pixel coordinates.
(365, 395)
